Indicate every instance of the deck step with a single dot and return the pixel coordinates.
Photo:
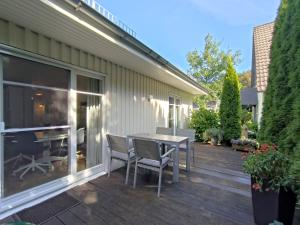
(223, 174)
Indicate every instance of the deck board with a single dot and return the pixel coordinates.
(215, 192)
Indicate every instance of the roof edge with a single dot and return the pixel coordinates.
(135, 43)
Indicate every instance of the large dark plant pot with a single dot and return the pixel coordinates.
(270, 205)
(297, 217)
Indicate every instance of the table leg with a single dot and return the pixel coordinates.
(163, 147)
(188, 156)
(176, 164)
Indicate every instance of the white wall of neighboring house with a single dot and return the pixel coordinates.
(259, 107)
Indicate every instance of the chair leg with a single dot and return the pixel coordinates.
(127, 171)
(135, 173)
(159, 181)
(109, 166)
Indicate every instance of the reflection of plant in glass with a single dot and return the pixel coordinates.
(269, 168)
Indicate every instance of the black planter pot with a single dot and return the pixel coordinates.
(270, 205)
(297, 217)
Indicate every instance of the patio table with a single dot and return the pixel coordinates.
(170, 140)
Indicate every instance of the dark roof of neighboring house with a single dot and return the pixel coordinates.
(262, 40)
(248, 96)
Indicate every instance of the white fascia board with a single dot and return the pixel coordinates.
(119, 44)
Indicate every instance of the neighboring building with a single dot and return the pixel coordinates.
(249, 100)
(262, 40)
(68, 76)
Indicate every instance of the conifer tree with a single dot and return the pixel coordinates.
(274, 106)
(230, 108)
(281, 110)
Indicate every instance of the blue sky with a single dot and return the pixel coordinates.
(174, 27)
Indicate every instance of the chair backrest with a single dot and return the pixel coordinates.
(25, 143)
(146, 149)
(80, 136)
(117, 143)
(190, 133)
(164, 130)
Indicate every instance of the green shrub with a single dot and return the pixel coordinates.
(296, 170)
(230, 108)
(202, 120)
(213, 133)
(252, 129)
(246, 117)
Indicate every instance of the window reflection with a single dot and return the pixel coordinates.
(35, 103)
(32, 158)
(89, 123)
(26, 107)
(28, 72)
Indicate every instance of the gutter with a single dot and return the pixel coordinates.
(131, 41)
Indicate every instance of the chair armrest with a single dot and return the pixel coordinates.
(168, 153)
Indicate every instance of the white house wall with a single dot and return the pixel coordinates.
(260, 100)
(133, 102)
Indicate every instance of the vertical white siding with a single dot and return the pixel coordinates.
(128, 109)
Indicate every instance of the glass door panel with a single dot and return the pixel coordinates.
(174, 112)
(35, 132)
(32, 158)
(89, 123)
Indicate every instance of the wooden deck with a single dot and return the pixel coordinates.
(214, 192)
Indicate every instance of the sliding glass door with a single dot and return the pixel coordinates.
(39, 119)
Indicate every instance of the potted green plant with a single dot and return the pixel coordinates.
(272, 196)
(215, 135)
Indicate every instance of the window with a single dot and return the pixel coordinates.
(28, 72)
(171, 112)
(89, 85)
(174, 112)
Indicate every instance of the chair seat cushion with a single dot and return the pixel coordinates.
(121, 155)
(154, 163)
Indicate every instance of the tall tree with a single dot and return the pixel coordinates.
(230, 108)
(281, 110)
(208, 67)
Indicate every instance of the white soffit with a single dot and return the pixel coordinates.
(48, 18)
